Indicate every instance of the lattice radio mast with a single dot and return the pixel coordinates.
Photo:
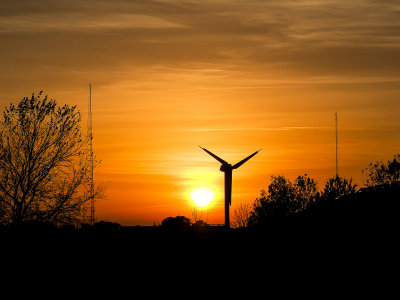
(91, 163)
(336, 132)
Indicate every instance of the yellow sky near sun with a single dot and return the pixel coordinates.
(230, 76)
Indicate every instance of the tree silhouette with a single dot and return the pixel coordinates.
(306, 192)
(178, 223)
(43, 162)
(336, 187)
(277, 202)
(283, 199)
(383, 173)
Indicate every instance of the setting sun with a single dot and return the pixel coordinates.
(202, 196)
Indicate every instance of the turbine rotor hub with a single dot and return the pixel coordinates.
(225, 167)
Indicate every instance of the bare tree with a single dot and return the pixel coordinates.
(199, 217)
(44, 163)
(241, 215)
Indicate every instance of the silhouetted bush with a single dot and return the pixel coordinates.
(336, 187)
(200, 226)
(383, 173)
(106, 226)
(178, 223)
(199, 223)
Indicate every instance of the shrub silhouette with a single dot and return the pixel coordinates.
(336, 187)
(178, 223)
(106, 226)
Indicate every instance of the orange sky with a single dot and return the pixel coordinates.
(231, 76)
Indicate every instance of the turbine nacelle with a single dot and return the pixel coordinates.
(225, 167)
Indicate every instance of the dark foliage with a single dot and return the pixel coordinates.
(284, 199)
(373, 205)
(336, 187)
(178, 223)
(383, 173)
(106, 226)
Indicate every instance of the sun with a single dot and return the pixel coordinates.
(202, 196)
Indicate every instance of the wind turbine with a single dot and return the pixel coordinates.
(227, 169)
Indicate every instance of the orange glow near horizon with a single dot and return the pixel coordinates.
(233, 77)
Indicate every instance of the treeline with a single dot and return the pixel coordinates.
(340, 198)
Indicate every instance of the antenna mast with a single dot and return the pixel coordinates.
(336, 131)
(90, 137)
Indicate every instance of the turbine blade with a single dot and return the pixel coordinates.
(213, 155)
(244, 160)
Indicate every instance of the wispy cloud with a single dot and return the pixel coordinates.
(257, 128)
(74, 22)
(292, 128)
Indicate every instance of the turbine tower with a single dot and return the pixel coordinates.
(227, 169)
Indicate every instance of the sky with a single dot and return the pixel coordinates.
(230, 76)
